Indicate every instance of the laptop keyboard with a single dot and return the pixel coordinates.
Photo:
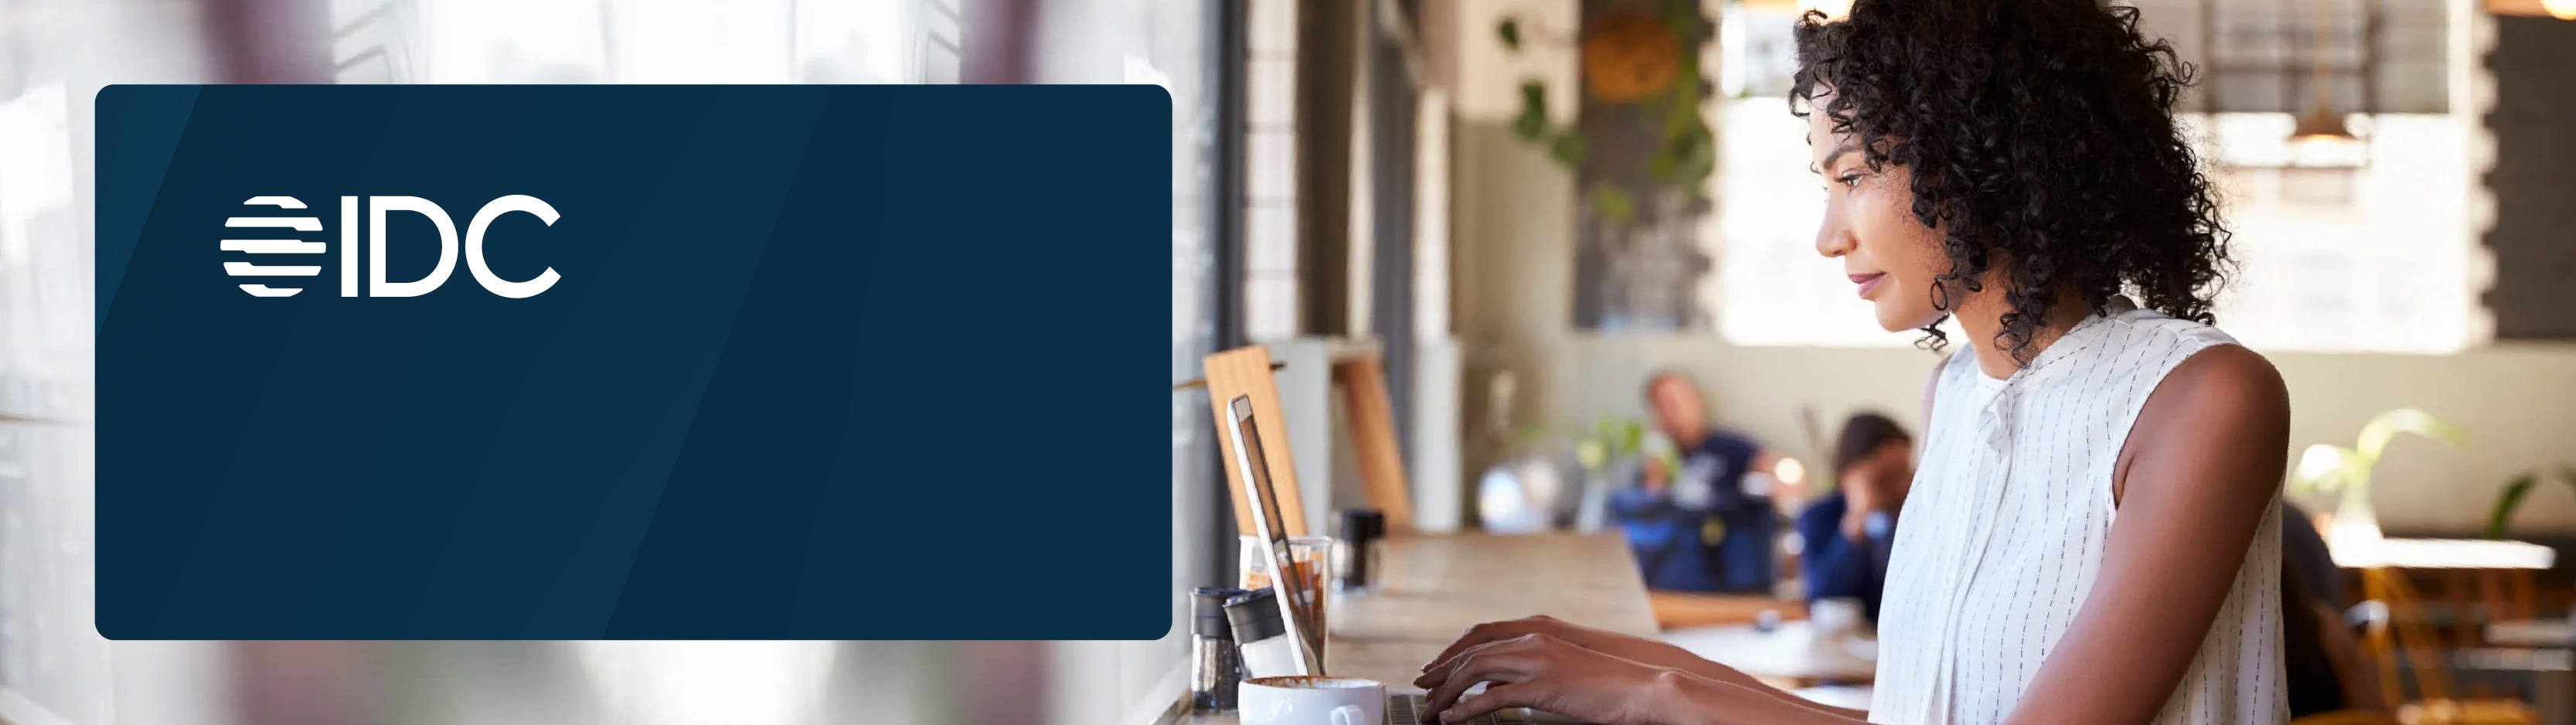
(1407, 710)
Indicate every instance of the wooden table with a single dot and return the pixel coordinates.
(2532, 633)
(1787, 656)
(2503, 570)
(1679, 610)
(1437, 586)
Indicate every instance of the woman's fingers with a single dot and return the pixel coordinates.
(1479, 635)
(1440, 671)
(1517, 694)
(1481, 667)
(1495, 631)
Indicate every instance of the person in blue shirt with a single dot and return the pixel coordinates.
(1707, 527)
(1848, 534)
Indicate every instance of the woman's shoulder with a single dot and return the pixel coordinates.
(2146, 326)
(2142, 347)
(2222, 416)
(2204, 371)
(2220, 394)
(2224, 378)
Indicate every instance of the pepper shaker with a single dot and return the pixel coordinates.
(1357, 533)
(1216, 670)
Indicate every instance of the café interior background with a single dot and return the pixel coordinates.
(1351, 171)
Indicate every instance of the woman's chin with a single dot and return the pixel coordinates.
(1899, 320)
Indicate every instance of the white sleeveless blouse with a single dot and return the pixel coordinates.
(2003, 533)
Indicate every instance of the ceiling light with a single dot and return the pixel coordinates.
(2560, 9)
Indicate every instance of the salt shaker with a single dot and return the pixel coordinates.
(1356, 536)
(1216, 671)
(1261, 636)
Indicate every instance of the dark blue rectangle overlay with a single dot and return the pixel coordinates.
(786, 362)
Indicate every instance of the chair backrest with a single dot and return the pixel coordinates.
(1245, 371)
(2402, 627)
(2347, 717)
(1372, 422)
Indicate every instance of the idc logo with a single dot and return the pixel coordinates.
(377, 285)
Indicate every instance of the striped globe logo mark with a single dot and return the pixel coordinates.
(273, 246)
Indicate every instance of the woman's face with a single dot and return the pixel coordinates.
(1869, 223)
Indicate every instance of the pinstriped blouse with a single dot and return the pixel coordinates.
(2003, 534)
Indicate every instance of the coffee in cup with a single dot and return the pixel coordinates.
(1311, 700)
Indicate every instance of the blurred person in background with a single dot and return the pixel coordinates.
(1850, 532)
(1708, 526)
(2094, 531)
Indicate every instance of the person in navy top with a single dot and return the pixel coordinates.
(1707, 527)
(1848, 533)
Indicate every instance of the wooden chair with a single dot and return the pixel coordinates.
(2347, 717)
(1372, 422)
(1245, 371)
(2403, 628)
(1248, 372)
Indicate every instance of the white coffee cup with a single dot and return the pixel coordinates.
(1311, 700)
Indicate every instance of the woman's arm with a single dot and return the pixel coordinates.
(2200, 467)
(1557, 676)
(1492, 638)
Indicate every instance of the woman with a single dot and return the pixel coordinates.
(1845, 533)
(2091, 536)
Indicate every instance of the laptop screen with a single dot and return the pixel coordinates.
(1301, 589)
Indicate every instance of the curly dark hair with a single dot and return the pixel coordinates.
(2041, 139)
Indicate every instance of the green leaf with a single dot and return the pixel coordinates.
(1510, 31)
(1612, 203)
(1683, 17)
(1569, 147)
(1685, 161)
(2376, 434)
(2506, 501)
(1687, 155)
(1590, 454)
(1532, 123)
(1697, 160)
(1529, 432)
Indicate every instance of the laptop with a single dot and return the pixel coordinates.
(1301, 595)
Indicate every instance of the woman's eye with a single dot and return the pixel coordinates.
(1849, 181)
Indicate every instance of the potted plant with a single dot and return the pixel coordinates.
(1610, 440)
(2511, 497)
(2347, 470)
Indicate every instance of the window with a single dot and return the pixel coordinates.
(54, 668)
(1270, 273)
(2366, 247)
(1171, 43)
(646, 41)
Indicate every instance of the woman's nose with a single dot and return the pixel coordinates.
(1832, 238)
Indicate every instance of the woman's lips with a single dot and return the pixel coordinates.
(1868, 282)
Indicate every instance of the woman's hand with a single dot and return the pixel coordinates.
(1615, 674)
(1612, 643)
(1636, 649)
(1551, 674)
